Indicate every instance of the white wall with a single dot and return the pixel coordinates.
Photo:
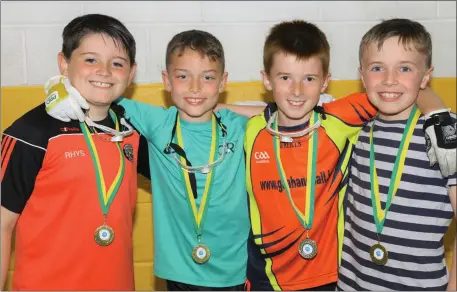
(31, 32)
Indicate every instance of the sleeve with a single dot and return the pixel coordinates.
(21, 162)
(144, 117)
(353, 110)
(232, 119)
(143, 158)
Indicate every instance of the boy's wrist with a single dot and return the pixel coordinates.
(435, 112)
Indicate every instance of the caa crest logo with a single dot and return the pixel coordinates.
(262, 157)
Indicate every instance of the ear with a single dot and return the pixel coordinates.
(132, 73)
(426, 77)
(62, 62)
(223, 82)
(361, 77)
(325, 84)
(266, 80)
(166, 80)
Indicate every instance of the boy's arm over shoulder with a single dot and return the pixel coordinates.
(248, 108)
(146, 118)
(354, 109)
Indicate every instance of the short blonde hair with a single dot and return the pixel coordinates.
(407, 31)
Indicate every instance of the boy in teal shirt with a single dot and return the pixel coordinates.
(200, 206)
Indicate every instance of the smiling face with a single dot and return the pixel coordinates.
(296, 86)
(195, 82)
(99, 69)
(393, 76)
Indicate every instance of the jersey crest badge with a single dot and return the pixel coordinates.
(128, 152)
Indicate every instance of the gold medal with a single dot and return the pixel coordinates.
(201, 254)
(104, 235)
(307, 249)
(379, 254)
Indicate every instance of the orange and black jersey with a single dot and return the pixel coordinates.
(24, 145)
(48, 177)
(274, 262)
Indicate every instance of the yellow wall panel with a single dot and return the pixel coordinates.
(15, 101)
(142, 233)
(145, 279)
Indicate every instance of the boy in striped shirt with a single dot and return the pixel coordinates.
(398, 207)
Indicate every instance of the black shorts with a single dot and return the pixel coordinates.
(177, 286)
(326, 287)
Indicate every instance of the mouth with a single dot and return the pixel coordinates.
(390, 96)
(101, 84)
(194, 101)
(295, 103)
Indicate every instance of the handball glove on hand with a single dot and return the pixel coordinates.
(63, 101)
(441, 142)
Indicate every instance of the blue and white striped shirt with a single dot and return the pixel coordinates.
(416, 222)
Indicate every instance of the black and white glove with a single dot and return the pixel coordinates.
(441, 140)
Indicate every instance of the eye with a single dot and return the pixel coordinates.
(181, 76)
(117, 64)
(405, 69)
(90, 60)
(285, 78)
(208, 78)
(376, 69)
(309, 78)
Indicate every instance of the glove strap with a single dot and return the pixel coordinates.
(445, 129)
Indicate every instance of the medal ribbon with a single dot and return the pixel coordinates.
(200, 214)
(378, 213)
(305, 219)
(105, 197)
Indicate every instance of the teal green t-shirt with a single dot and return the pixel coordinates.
(226, 228)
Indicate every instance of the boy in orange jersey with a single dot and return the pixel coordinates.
(71, 193)
(297, 157)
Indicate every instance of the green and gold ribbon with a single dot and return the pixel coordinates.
(305, 219)
(199, 215)
(105, 197)
(378, 213)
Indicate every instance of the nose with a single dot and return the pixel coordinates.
(195, 86)
(297, 88)
(390, 78)
(104, 70)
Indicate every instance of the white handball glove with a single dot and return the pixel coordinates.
(441, 141)
(63, 101)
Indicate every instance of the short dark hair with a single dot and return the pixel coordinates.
(299, 38)
(80, 27)
(197, 40)
(407, 31)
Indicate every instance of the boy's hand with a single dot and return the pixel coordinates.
(63, 101)
(325, 98)
(441, 141)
